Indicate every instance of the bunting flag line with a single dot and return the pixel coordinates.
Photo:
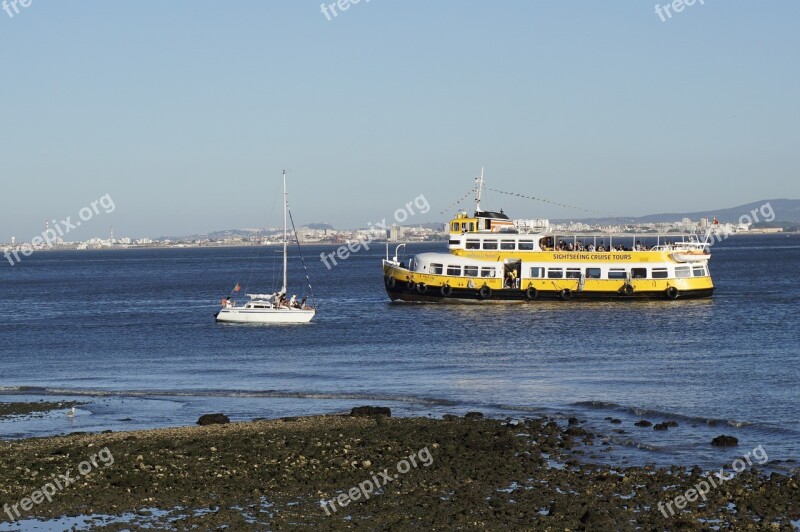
(600, 214)
(457, 202)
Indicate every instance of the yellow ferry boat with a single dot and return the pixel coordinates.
(493, 259)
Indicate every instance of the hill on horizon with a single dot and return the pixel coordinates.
(785, 210)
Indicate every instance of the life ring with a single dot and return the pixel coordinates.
(671, 292)
(531, 293)
(411, 284)
(389, 281)
(485, 292)
(422, 288)
(565, 294)
(626, 290)
(446, 290)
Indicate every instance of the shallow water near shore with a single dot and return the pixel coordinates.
(130, 333)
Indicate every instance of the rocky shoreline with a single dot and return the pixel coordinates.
(370, 471)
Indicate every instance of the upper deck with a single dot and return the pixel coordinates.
(511, 242)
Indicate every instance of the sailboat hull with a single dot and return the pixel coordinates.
(281, 315)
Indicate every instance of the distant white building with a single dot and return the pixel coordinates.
(395, 233)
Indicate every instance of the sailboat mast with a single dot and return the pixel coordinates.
(285, 236)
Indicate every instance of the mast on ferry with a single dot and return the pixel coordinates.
(478, 191)
(285, 208)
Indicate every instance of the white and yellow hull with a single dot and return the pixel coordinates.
(403, 284)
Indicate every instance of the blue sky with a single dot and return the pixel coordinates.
(186, 112)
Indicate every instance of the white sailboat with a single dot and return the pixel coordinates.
(270, 308)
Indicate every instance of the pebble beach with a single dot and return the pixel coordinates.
(366, 470)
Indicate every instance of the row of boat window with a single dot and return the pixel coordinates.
(539, 272)
(455, 227)
(510, 245)
(681, 272)
(467, 271)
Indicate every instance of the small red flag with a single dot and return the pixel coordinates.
(237, 287)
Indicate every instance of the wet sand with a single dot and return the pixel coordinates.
(469, 473)
(11, 410)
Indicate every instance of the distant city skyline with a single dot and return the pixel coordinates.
(778, 214)
(186, 113)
